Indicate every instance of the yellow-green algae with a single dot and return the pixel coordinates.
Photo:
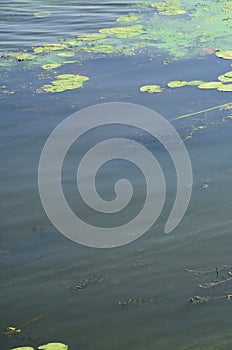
(65, 82)
(169, 8)
(150, 88)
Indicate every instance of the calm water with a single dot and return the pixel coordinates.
(38, 264)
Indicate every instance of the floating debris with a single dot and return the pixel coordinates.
(49, 47)
(49, 66)
(42, 14)
(12, 331)
(91, 37)
(138, 302)
(87, 282)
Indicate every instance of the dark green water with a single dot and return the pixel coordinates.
(38, 264)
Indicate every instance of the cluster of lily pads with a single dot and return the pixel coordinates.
(65, 82)
(224, 83)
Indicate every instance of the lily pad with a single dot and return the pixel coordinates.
(21, 56)
(103, 49)
(169, 8)
(51, 66)
(150, 88)
(66, 54)
(194, 82)
(23, 348)
(176, 83)
(53, 346)
(49, 48)
(128, 18)
(42, 14)
(227, 55)
(226, 88)
(123, 32)
(210, 85)
(65, 82)
(91, 37)
(226, 78)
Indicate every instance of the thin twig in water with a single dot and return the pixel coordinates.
(215, 283)
(199, 112)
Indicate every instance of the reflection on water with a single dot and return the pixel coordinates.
(39, 265)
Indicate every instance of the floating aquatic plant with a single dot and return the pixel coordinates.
(225, 88)
(23, 348)
(176, 83)
(20, 56)
(91, 37)
(49, 48)
(169, 8)
(210, 85)
(66, 54)
(226, 78)
(49, 66)
(227, 55)
(53, 346)
(150, 88)
(128, 19)
(65, 82)
(123, 32)
(194, 82)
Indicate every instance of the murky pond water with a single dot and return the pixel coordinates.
(136, 296)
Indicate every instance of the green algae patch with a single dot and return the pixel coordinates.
(123, 32)
(225, 88)
(53, 346)
(65, 82)
(227, 55)
(128, 19)
(176, 83)
(150, 88)
(42, 14)
(91, 37)
(194, 82)
(210, 85)
(226, 78)
(49, 47)
(66, 54)
(49, 66)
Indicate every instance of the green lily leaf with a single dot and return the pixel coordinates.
(176, 83)
(227, 55)
(226, 88)
(210, 85)
(150, 88)
(53, 346)
(226, 78)
(128, 18)
(24, 348)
